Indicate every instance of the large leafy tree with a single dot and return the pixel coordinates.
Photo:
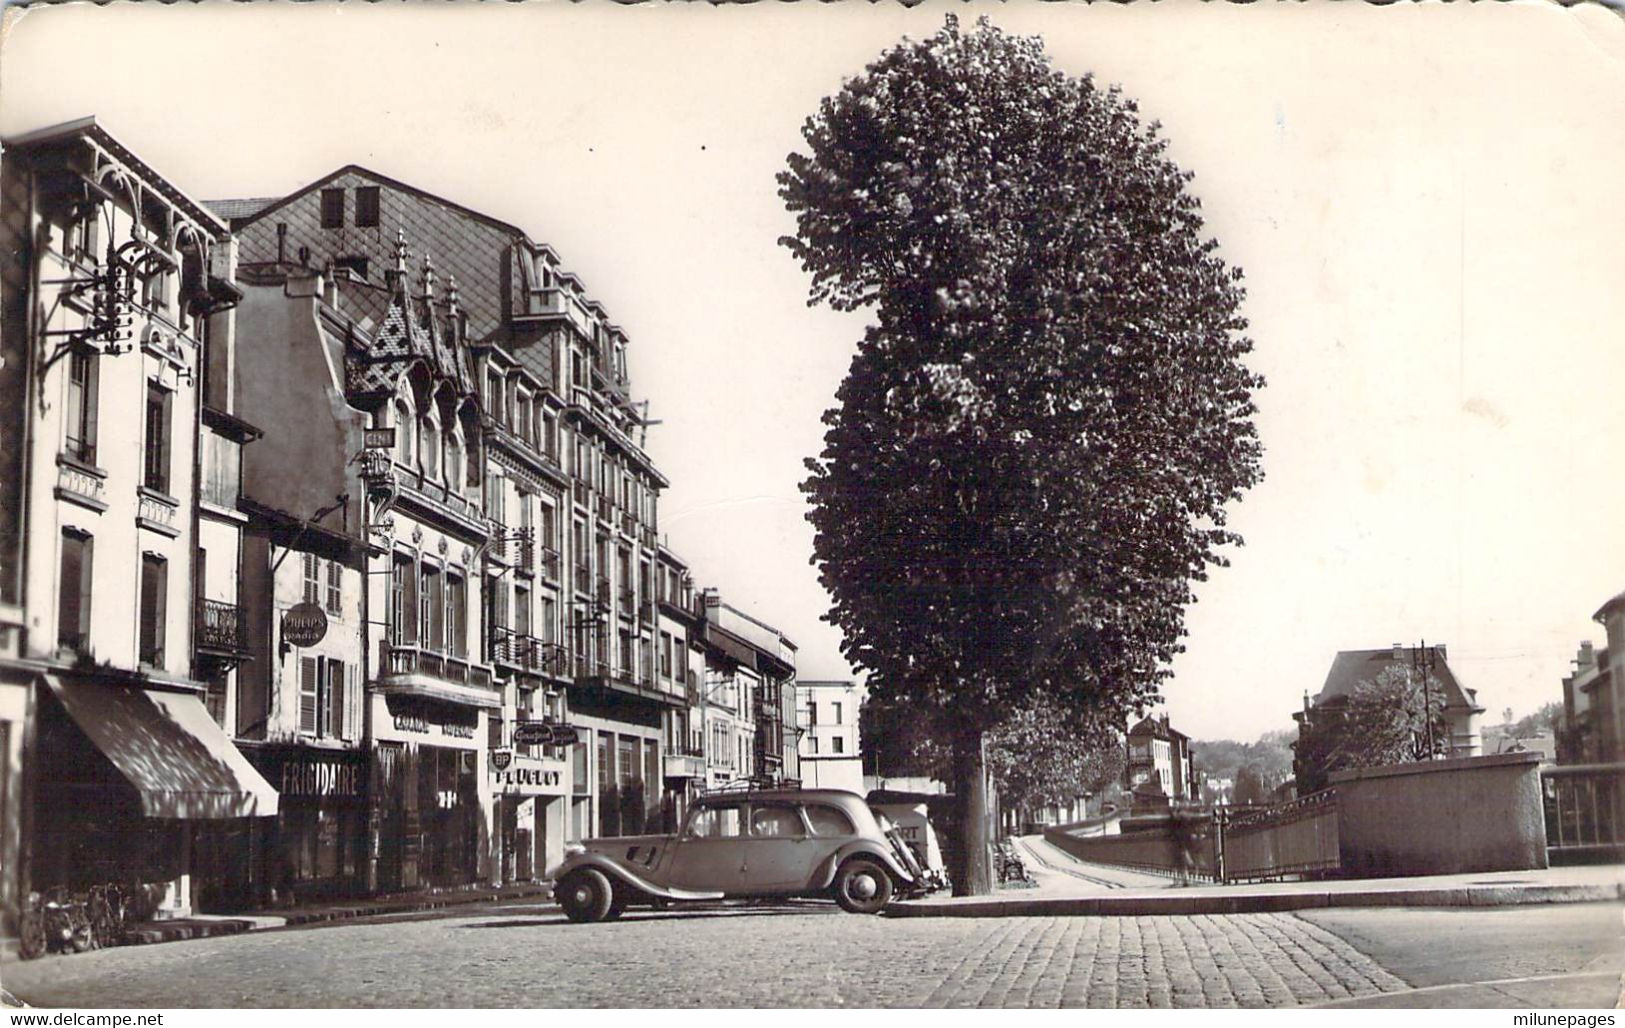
(1031, 454)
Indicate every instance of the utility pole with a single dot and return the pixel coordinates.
(1422, 660)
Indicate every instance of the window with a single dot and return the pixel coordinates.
(828, 820)
(312, 568)
(403, 432)
(335, 592)
(837, 707)
(775, 821)
(838, 744)
(549, 620)
(431, 609)
(665, 654)
(309, 695)
(366, 206)
(73, 596)
(156, 467)
(812, 712)
(154, 596)
(457, 614)
(333, 698)
(81, 409)
(401, 601)
(722, 821)
(332, 208)
(454, 458)
(550, 436)
(522, 414)
(495, 404)
(521, 610)
(429, 451)
(813, 741)
(82, 244)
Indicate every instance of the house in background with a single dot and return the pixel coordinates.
(828, 716)
(1160, 768)
(1592, 730)
(1350, 668)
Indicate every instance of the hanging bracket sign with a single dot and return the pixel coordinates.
(304, 624)
(378, 438)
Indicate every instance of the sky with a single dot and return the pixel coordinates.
(1425, 201)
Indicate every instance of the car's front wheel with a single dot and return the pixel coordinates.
(862, 887)
(586, 896)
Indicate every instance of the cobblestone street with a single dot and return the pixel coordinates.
(528, 956)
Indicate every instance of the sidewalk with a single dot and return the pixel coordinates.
(1067, 886)
(207, 925)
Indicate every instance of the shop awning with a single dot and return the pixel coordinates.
(170, 749)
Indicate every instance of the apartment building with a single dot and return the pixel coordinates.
(827, 714)
(120, 630)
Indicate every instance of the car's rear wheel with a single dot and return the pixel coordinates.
(862, 886)
(586, 896)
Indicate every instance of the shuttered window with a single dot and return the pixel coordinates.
(456, 615)
(154, 596)
(335, 592)
(156, 463)
(312, 568)
(73, 591)
(335, 696)
(82, 403)
(309, 695)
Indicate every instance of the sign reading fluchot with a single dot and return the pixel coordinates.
(304, 624)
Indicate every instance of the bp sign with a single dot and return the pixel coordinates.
(304, 624)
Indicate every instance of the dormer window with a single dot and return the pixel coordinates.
(403, 432)
(454, 459)
(332, 208)
(430, 450)
(366, 207)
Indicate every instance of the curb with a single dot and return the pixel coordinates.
(1151, 906)
(455, 899)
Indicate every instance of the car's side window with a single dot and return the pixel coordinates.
(718, 822)
(829, 820)
(775, 821)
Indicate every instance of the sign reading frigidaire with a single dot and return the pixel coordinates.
(304, 624)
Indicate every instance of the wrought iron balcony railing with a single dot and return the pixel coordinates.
(222, 627)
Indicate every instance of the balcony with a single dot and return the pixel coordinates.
(553, 303)
(603, 589)
(525, 653)
(550, 560)
(606, 510)
(222, 629)
(629, 600)
(415, 670)
(629, 524)
(685, 764)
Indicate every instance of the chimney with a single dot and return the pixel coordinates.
(281, 242)
(1399, 652)
(1587, 657)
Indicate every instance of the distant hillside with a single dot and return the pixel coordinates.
(1224, 758)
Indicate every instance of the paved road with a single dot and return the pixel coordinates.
(805, 955)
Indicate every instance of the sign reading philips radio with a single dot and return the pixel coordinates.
(543, 733)
(304, 624)
(512, 774)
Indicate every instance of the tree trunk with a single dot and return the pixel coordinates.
(972, 871)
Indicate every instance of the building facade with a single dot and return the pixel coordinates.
(119, 628)
(827, 713)
(1159, 767)
(1592, 729)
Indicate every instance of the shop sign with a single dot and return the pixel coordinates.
(304, 624)
(419, 725)
(543, 733)
(500, 759)
(378, 438)
(527, 778)
(314, 776)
